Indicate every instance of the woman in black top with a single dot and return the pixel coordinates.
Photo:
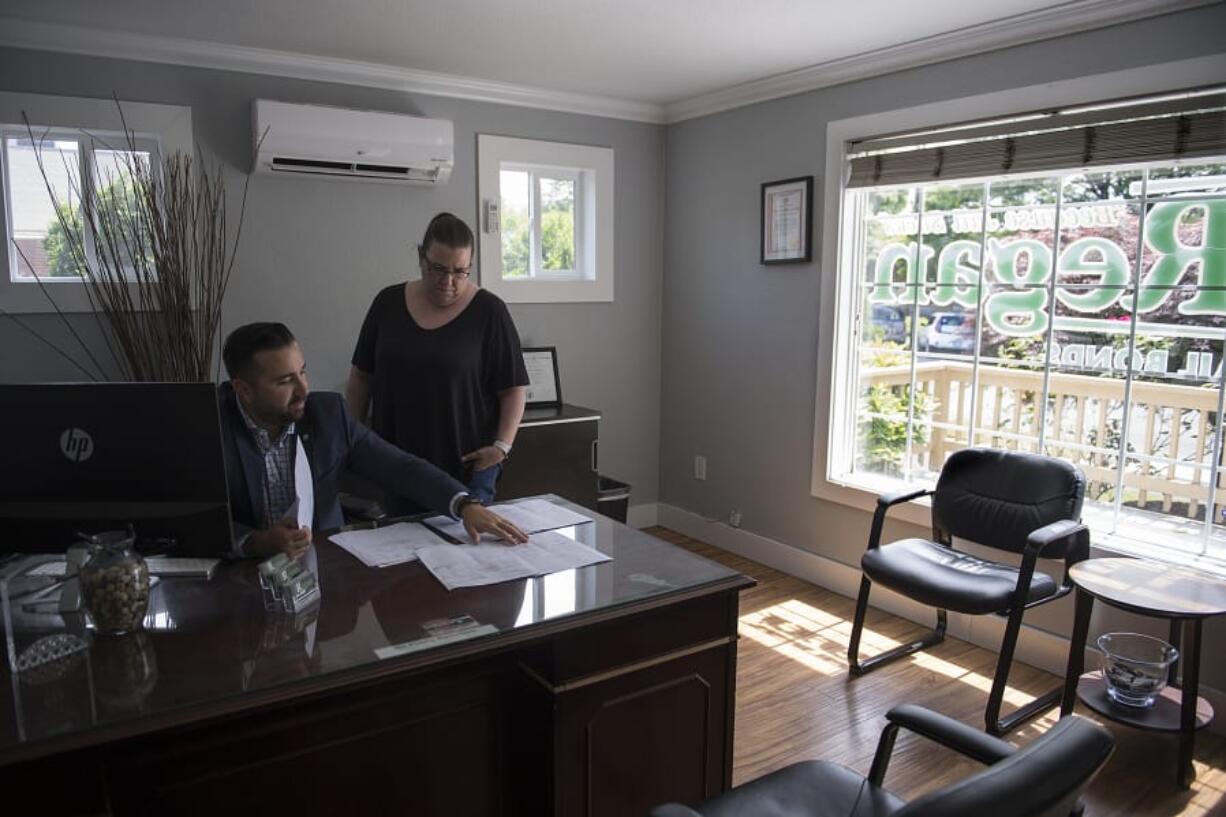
(438, 363)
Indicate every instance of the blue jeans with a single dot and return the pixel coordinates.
(483, 483)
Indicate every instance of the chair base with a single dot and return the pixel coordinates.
(999, 727)
(994, 723)
(933, 637)
(858, 667)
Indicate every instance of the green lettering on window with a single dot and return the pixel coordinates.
(885, 290)
(1111, 269)
(1175, 258)
(958, 274)
(1022, 312)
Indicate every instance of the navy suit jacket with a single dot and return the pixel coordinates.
(333, 441)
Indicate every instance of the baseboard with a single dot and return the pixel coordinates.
(643, 515)
(1036, 647)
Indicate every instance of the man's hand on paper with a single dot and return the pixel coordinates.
(284, 537)
(479, 519)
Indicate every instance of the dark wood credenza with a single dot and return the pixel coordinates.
(555, 452)
(602, 692)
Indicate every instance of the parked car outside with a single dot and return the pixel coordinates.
(950, 332)
(889, 321)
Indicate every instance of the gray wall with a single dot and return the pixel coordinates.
(314, 252)
(740, 339)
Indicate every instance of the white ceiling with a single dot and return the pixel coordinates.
(655, 54)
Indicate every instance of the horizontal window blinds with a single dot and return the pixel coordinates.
(1165, 129)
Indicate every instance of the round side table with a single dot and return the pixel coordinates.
(1186, 598)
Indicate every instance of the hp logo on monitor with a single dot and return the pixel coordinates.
(76, 444)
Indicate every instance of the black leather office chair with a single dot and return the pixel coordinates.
(1045, 779)
(1020, 503)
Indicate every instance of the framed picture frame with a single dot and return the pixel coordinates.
(787, 221)
(544, 385)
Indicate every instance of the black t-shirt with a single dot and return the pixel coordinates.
(434, 392)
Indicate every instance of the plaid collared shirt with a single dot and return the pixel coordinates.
(279, 456)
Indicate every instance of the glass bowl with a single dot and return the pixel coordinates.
(1135, 667)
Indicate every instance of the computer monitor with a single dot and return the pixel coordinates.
(99, 456)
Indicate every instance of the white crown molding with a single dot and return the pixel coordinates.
(204, 54)
(1068, 18)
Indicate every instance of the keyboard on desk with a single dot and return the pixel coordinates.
(167, 566)
(181, 566)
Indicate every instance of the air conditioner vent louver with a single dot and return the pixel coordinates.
(401, 171)
(310, 164)
(328, 143)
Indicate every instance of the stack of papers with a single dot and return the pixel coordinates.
(474, 565)
(392, 545)
(531, 516)
(489, 562)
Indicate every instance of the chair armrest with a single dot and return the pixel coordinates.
(898, 497)
(950, 733)
(1076, 534)
(673, 810)
(884, 503)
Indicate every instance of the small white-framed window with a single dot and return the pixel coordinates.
(71, 145)
(541, 236)
(47, 173)
(546, 221)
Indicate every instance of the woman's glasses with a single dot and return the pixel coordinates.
(439, 271)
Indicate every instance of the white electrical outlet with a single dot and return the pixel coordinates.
(700, 466)
(734, 519)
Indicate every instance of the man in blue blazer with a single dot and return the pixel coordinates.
(275, 429)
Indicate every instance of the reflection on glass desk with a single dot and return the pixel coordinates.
(521, 649)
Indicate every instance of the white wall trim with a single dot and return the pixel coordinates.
(645, 515)
(1067, 18)
(204, 54)
(1037, 647)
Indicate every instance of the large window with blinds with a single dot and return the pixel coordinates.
(1054, 283)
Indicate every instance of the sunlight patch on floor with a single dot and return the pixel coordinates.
(818, 640)
(801, 632)
(977, 680)
(1209, 792)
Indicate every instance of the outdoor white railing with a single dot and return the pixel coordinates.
(1171, 426)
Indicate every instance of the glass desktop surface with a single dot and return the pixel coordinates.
(209, 643)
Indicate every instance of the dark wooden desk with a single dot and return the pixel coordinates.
(604, 691)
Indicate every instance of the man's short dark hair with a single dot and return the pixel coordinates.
(243, 343)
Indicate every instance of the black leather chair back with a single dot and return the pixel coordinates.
(1043, 780)
(997, 498)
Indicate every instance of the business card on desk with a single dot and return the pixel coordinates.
(438, 627)
(431, 641)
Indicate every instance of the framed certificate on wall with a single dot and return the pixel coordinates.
(544, 387)
(787, 223)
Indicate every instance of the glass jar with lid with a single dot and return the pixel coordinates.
(115, 583)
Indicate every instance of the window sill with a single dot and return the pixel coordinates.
(546, 290)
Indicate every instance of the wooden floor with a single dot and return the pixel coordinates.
(795, 701)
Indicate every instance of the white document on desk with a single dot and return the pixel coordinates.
(391, 545)
(530, 516)
(475, 565)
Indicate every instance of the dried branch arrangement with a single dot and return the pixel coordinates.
(155, 260)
